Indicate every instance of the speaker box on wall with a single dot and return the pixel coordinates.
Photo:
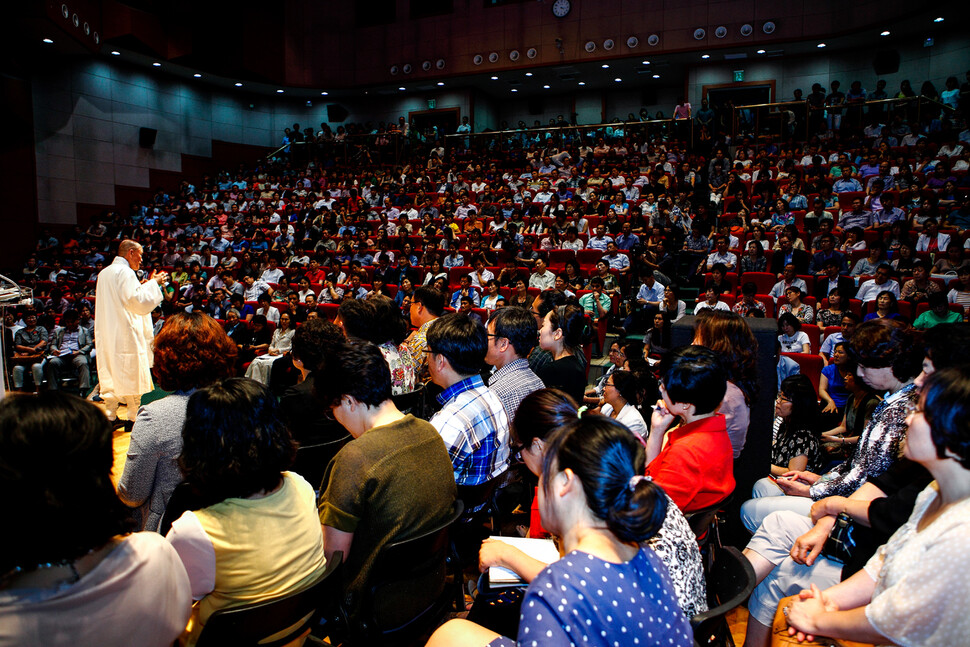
(755, 459)
(146, 137)
(336, 112)
(886, 62)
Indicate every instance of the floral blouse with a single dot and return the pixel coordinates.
(404, 370)
(829, 317)
(803, 313)
(791, 442)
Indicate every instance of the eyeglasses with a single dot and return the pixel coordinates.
(782, 399)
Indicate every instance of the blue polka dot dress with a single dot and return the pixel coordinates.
(582, 600)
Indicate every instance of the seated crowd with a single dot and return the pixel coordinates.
(438, 322)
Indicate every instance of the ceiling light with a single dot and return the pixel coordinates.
(115, 52)
(885, 33)
(545, 87)
(656, 76)
(401, 89)
(940, 19)
(618, 79)
(156, 64)
(323, 94)
(605, 66)
(238, 85)
(48, 41)
(495, 78)
(528, 73)
(582, 82)
(440, 83)
(197, 75)
(820, 45)
(279, 92)
(705, 56)
(761, 51)
(646, 62)
(515, 90)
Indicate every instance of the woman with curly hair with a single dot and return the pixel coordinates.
(728, 335)
(191, 351)
(257, 535)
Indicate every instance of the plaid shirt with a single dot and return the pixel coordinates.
(475, 429)
(512, 383)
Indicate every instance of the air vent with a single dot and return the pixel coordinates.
(590, 46)
(532, 52)
(440, 64)
(478, 59)
(700, 34)
(407, 68)
(608, 44)
(720, 32)
(514, 55)
(394, 70)
(632, 42)
(426, 66)
(493, 57)
(768, 27)
(653, 40)
(746, 29)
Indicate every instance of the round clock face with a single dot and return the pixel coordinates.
(560, 8)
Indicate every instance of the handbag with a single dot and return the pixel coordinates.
(841, 541)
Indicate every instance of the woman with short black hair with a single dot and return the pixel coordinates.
(258, 535)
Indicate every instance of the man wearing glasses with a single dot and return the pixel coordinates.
(512, 334)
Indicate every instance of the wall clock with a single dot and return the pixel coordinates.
(560, 8)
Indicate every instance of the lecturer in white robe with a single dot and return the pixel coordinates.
(123, 329)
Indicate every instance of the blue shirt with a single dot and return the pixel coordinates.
(624, 241)
(475, 429)
(656, 293)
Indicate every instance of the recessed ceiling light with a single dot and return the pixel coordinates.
(441, 83)
(279, 92)
(115, 52)
(515, 90)
(646, 62)
(605, 66)
(618, 79)
(582, 82)
(820, 45)
(940, 19)
(885, 33)
(156, 64)
(238, 85)
(495, 78)
(546, 87)
(197, 75)
(48, 41)
(528, 73)
(761, 51)
(705, 56)
(323, 94)
(401, 89)
(656, 76)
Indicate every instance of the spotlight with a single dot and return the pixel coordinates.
(156, 64)
(48, 41)
(197, 75)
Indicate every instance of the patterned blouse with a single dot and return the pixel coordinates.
(878, 448)
(791, 442)
(803, 313)
(829, 318)
(404, 376)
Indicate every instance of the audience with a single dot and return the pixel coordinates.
(563, 330)
(512, 334)
(594, 496)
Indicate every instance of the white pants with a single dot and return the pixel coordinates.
(111, 402)
(259, 369)
(767, 498)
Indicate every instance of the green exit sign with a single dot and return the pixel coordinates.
(431, 104)
(738, 76)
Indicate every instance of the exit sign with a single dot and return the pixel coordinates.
(738, 76)
(431, 104)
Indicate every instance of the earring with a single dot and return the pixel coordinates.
(684, 406)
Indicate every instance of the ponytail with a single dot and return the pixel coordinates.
(609, 461)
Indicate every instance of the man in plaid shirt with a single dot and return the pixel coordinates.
(472, 421)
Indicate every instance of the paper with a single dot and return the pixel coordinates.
(543, 550)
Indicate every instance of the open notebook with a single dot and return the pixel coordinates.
(543, 550)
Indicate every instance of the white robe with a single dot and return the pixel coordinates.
(123, 330)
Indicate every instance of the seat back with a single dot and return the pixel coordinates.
(700, 520)
(729, 583)
(183, 498)
(407, 584)
(411, 402)
(285, 618)
(312, 460)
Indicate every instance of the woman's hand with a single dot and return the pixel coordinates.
(799, 475)
(830, 407)
(660, 418)
(807, 547)
(827, 507)
(804, 613)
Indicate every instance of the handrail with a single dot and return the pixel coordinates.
(537, 129)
